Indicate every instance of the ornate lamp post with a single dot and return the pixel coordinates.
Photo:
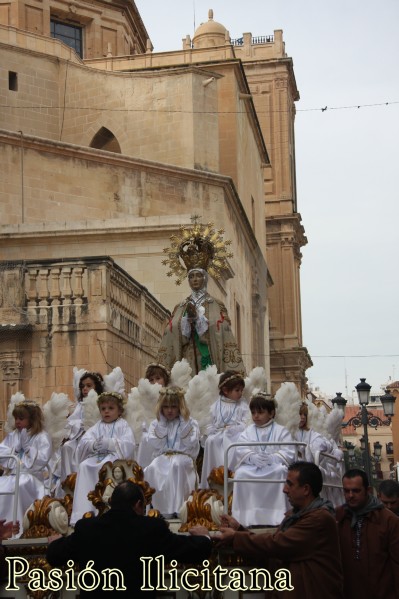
(365, 418)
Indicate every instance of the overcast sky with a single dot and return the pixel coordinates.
(345, 54)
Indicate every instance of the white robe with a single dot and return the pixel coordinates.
(332, 474)
(331, 470)
(229, 419)
(33, 463)
(74, 430)
(262, 503)
(145, 451)
(64, 461)
(90, 461)
(173, 471)
(314, 443)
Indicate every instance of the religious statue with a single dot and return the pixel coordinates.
(199, 329)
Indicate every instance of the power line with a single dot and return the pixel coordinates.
(180, 111)
(351, 107)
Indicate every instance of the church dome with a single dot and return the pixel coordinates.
(210, 34)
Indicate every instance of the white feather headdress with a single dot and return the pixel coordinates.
(55, 412)
(114, 381)
(180, 375)
(140, 407)
(91, 413)
(333, 424)
(202, 392)
(77, 375)
(288, 404)
(256, 381)
(15, 399)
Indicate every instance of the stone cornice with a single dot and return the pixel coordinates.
(112, 159)
(286, 229)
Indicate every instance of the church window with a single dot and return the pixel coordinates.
(104, 139)
(71, 35)
(12, 81)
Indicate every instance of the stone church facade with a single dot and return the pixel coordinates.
(107, 148)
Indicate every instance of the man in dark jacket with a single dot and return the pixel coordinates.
(119, 538)
(388, 493)
(306, 542)
(369, 539)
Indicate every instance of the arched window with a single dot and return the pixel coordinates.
(105, 140)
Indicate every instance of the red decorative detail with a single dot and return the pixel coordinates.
(170, 325)
(218, 322)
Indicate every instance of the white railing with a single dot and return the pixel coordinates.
(317, 458)
(228, 480)
(317, 461)
(16, 486)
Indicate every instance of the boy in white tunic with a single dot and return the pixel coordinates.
(262, 503)
(229, 417)
(174, 436)
(109, 439)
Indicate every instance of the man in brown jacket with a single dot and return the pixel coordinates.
(306, 542)
(369, 538)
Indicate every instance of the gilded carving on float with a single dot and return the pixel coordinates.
(110, 475)
(46, 517)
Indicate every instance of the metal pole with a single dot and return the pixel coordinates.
(366, 457)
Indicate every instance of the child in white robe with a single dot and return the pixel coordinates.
(32, 445)
(229, 417)
(262, 503)
(315, 442)
(109, 439)
(174, 436)
(331, 468)
(74, 429)
(156, 374)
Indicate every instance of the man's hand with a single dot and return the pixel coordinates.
(199, 531)
(53, 538)
(226, 537)
(8, 529)
(227, 521)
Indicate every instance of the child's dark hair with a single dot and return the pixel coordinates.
(158, 370)
(111, 396)
(32, 411)
(97, 379)
(231, 379)
(262, 402)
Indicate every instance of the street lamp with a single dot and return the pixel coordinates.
(339, 401)
(365, 418)
(388, 403)
(377, 450)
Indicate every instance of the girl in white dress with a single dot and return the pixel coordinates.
(262, 503)
(32, 445)
(175, 439)
(109, 439)
(156, 374)
(316, 442)
(229, 417)
(74, 429)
